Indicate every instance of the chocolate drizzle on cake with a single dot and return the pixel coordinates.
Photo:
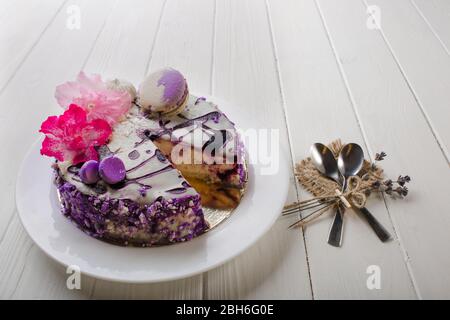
(157, 154)
(145, 176)
(177, 190)
(133, 155)
(149, 173)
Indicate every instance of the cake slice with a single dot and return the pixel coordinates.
(154, 204)
(204, 145)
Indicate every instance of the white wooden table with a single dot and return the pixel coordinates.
(315, 69)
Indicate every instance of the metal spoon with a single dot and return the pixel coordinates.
(350, 162)
(324, 161)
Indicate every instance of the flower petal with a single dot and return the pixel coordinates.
(52, 148)
(50, 125)
(70, 137)
(94, 82)
(97, 132)
(93, 95)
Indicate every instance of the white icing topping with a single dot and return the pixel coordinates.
(140, 155)
(147, 170)
(209, 121)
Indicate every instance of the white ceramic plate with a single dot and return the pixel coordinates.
(39, 211)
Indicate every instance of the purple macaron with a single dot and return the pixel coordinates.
(164, 91)
(112, 170)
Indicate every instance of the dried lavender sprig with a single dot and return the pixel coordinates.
(380, 156)
(387, 188)
(401, 191)
(402, 180)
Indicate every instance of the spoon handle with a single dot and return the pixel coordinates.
(380, 231)
(335, 235)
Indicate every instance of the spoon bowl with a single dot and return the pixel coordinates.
(350, 160)
(324, 161)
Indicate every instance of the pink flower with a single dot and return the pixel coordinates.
(71, 137)
(93, 95)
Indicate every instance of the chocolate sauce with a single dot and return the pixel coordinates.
(177, 190)
(133, 155)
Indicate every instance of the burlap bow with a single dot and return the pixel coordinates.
(354, 193)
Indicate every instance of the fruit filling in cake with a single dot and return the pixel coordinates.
(138, 168)
(203, 144)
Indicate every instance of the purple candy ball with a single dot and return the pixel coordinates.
(112, 170)
(89, 172)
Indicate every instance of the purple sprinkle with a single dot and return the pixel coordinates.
(199, 99)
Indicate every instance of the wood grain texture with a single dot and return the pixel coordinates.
(319, 110)
(422, 60)
(392, 121)
(43, 278)
(436, 14)
(276, 266)
(123, 47)
(185, 42)
(14, 250)
(22, 23)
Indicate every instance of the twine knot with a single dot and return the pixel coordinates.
(354, 192)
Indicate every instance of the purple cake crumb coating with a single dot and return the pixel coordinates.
(241, 161)
(126, 222)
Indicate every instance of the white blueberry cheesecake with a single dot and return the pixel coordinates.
(137, 168)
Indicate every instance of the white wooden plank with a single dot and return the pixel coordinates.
(14, 249)
(116, 55)
(57, 56)
(5, 6)
(27, 273)
(392, 121)
(45, 68)
(21, 25)
(423, 61)
(185, 42)
(123, 48)
(43, 278)
(245, 73)
(319, 110)
(189, 288)
(436, 14)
